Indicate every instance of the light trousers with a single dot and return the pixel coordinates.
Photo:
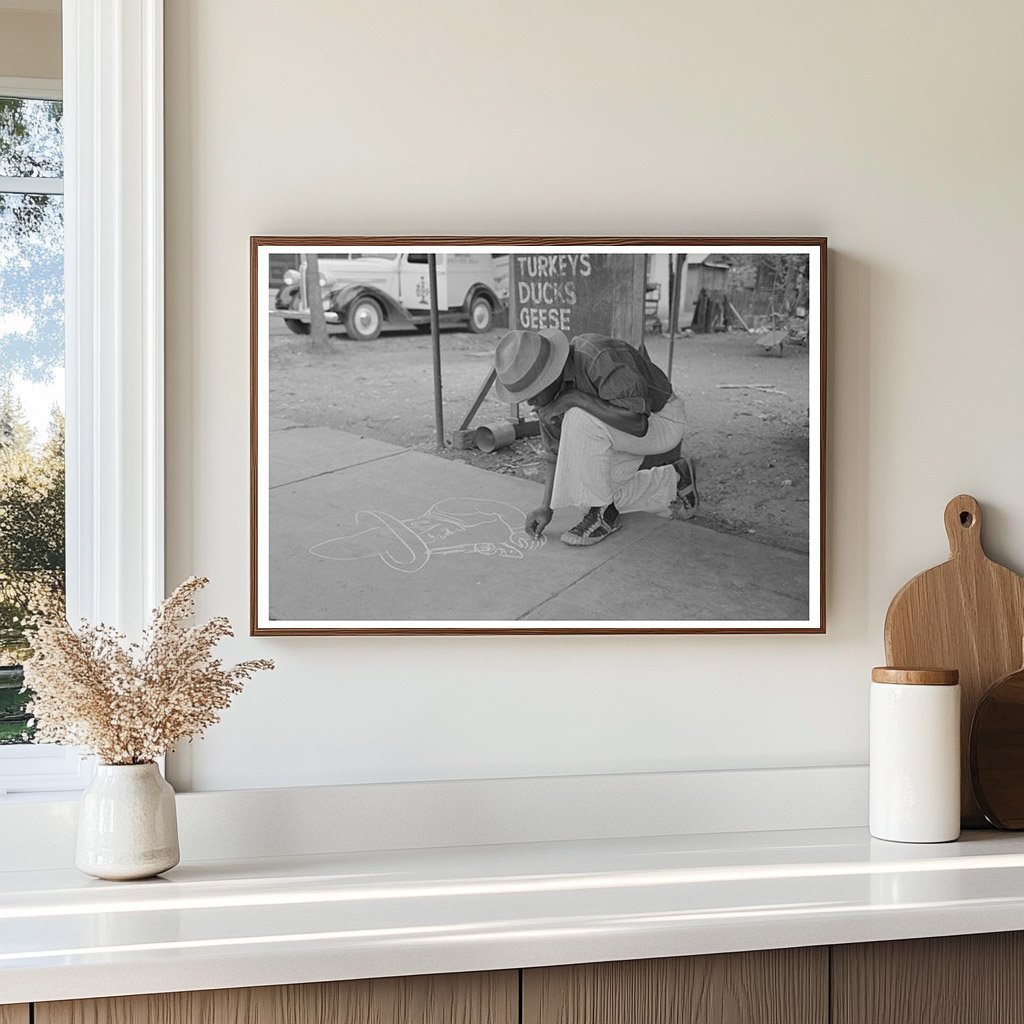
(599, 465)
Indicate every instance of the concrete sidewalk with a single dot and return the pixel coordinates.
(363, 530)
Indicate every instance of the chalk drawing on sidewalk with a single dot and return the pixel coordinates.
(454, 526)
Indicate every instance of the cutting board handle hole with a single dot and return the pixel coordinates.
(962, 519)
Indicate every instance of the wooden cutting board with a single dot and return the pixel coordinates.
(967, 614)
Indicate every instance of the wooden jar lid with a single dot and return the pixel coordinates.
(916, 676)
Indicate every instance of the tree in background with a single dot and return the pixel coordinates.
(318, 336)
(31, 350)
(32, 572)
(768, 282)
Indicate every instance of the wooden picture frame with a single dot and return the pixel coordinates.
(361, 523)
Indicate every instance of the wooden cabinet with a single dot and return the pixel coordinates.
(778, 986)
(963, 979)
(491, 998)
(970, 979)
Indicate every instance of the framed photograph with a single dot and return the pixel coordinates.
(537, 435)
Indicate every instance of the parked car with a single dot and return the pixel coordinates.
(364, 292)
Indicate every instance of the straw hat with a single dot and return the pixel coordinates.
(526, 362)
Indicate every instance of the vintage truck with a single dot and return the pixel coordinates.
(364, 292)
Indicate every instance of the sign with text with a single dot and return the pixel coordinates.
(578, 292)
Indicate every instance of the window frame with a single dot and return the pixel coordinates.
(112, 89)
(31, 89)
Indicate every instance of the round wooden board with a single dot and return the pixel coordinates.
(997, 752)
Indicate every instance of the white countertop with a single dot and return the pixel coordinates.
(225, 924)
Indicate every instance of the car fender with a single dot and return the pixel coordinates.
(344, 295)
(481, 289)
(287, 297)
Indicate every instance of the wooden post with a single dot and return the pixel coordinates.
(671, 288)
(673, 309)
(317, 323)
(464, 437)
(629, 281)
(435, 338)
(736, 313)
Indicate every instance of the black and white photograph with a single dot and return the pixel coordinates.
(584, 435)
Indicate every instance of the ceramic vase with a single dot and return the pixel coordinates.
(127, 825)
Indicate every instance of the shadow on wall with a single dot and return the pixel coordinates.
(848, 435)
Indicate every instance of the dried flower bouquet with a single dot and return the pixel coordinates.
(130, 703)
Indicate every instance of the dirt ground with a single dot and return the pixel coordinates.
(750, 444)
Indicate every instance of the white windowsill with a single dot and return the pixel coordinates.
(40, 797)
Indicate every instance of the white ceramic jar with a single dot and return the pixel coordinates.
(915, 755)
(127, 823)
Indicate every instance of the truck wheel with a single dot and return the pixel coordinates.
(480, 315)
(364, 319)
(297, 326)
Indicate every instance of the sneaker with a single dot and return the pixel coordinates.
(686, 491)
(597, 524)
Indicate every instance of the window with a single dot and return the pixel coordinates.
(32, 563)
(31, 383)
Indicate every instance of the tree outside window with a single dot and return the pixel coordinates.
(31, 387)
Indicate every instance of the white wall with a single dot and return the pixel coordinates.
(894, 129)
